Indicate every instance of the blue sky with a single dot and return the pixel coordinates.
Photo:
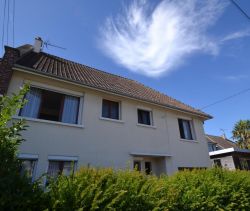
(197, 54)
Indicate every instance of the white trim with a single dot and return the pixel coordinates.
(190, 141)
(62, 158)
(144, 125)
(149, 154)
(31, 71)
(48, 121)
(223, 151)
(27, 156)
(53, 88)
(111, 120)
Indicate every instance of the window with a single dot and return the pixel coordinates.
(48, 105)
(28, 167)
(144, 117)
(245, 164)
(148, 167)
(57, 168)
(137, 165)
(110, 109)
(185, 129)
(217, 162)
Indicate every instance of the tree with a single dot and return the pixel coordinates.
(241, 133)
(16, 190)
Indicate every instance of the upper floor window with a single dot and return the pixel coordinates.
(48, 105)
(144, 117)
(110, 109)
(185, 129)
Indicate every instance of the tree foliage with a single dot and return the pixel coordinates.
(241, 133)
(16, 190)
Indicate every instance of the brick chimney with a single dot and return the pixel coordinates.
(6, 64)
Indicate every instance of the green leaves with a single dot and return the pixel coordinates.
(106, 189)
(241, 133)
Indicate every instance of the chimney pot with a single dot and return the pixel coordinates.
(38, 45)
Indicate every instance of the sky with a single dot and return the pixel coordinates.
(195, 51)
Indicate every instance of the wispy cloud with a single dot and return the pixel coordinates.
(236, 77)
(236, 35)
(155, 40)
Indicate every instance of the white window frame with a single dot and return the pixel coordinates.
(60, 91)
(150, 116)
(191, 123)
(119, 120)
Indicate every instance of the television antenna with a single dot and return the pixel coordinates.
(48, 43)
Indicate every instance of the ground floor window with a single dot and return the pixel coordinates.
(217, 162)
(145, 166)
(57, 168)
(245, 164)
(28, 167)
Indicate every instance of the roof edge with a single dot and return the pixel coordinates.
(31, 70)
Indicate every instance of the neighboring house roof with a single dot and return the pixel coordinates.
(229, 150)
(221, 142)
(53, 66)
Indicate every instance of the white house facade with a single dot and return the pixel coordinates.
(82, 116)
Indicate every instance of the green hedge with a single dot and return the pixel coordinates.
(105, 189)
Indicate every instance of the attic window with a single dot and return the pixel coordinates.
(49, 105)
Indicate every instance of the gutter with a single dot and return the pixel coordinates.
(34, 72)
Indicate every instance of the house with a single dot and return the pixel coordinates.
(78, 114)
(225, 153)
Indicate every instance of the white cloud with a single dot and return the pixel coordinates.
(236, 77)
(155, 40)
(236, 35)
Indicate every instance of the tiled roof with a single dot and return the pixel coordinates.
(223, 143)
(54, 66)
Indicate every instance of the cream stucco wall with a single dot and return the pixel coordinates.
(106, 143)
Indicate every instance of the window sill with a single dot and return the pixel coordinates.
(190, 141)
(48, 121)
(111, 120)
(148, 126)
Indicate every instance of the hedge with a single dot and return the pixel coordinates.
(106, 189)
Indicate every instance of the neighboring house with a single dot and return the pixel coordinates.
(78, 114)
(225, 153)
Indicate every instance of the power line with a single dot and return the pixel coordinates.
(8, 20)
(13, 25)
(3, 32)
(226, 98)
(241, 10)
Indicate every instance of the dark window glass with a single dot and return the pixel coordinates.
(144, 117)
(148, 167)
(137, 165)
(185, 129)
(110, 109)
(48, 105)
(217, 162)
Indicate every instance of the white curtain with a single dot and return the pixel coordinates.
(31, 108)
(53, 170)
(70, 109)
(187, 130)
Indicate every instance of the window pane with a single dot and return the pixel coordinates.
(148, 167)
(70, 109)
(110, 109)
(137, 165)
(51, 106)
(28, 167)
(31, 108)
(185, 129)
(144, 117)
(57, 168)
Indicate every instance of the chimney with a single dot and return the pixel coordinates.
(38, 45)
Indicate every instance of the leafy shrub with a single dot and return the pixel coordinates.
(16, 191)
(106, 189)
